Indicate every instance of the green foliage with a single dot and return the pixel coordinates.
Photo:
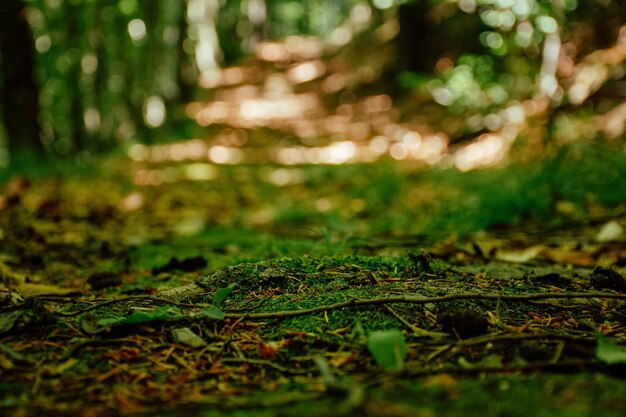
(589, 170)
(610, 353)
(222, 294)
(211, 312)
(141, 317)
(388, 347)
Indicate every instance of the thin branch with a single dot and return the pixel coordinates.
(127, 299)
(270, 364)
(358, 303)
(423, 300)
(418, 371)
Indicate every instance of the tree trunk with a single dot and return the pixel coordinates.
(20, 94)
(429, 32)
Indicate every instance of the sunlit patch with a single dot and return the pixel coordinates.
(613, 123)
(323, 204)
(200, 172)
(590, 75)
(306, 71)
(43, 43)
(283, 176)
(138, 152)
(361, 13)
(431, 149)
(154, 111)
(91, 118)
(333, 83)
(586, 81)
(131, 202)
(366, 74)
(487, 150)
(305, 129)
(231, 76)
(379, 103)
(358, 130)
(177, 152)
(192, 109)
(514, 114)
(304, 47)
(137, 30)
(210, 78)
(215, 112)
(340, 36)
(159, 153)
(378, 145)
(493, 121)
(195, 149)
(264, 111)
(337, 123)
(293, 48)
(271, 51)
(261, 217)
(398, 151)
(89, 63)
(291, 156)
(339, 152)
(468, 6)
(382, 4)
(224, 155)
(144, 177)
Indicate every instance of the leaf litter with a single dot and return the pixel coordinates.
(326, 324)
(363, 289)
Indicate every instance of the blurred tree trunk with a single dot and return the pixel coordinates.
(20, 95)
(429, 32)
(75, 35)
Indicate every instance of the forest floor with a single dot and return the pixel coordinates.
(228, 276)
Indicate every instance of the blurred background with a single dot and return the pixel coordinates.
(407, 79)
(179, 89)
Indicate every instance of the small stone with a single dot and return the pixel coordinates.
(100, 280)
(465, 323)
(607, 279)
(186, 336)
(611, 232)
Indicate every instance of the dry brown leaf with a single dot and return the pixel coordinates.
(569, 257)
(28, 290)
(611, 232)
(520, 255)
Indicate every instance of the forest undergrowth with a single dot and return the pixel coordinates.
(245, 299)
(245, 284)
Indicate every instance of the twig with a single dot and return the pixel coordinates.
(353, 393)
(126, 299)
(270, 364)
(422, 300)
(419, 371)
(416, 330)
(518, 337)
(357, 303)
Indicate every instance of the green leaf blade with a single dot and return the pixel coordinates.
(610, 353)
(388, 347)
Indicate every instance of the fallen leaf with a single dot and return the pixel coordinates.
(211, 312)
(141, 317)
(53, 370)
(28, 290)
(610, 353)
(388, 347)
(611, 232)
(186, 336)
(521, 255)
(131, 202)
